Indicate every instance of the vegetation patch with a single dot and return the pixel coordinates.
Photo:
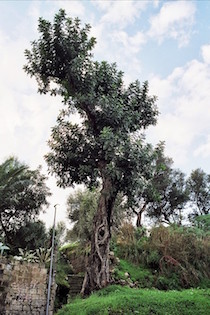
(123, 300)
(136, 273)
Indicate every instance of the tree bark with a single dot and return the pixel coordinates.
(97, 270)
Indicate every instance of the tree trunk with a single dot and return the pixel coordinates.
(7, 236)
(139, 216)
(97, 270)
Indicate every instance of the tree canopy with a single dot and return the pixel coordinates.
(110, 112)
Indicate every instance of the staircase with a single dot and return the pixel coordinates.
(75, 283)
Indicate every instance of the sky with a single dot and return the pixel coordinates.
(164, 42)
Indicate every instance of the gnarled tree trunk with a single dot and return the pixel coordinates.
(97, 271)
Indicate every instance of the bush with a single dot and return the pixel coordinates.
(180, 254)
(130, 242)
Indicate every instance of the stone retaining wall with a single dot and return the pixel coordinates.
(23, 289)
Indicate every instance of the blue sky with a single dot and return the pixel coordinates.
(164, 42)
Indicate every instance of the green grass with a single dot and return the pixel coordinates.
(115, 300)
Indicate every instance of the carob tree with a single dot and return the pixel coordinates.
(106, 145)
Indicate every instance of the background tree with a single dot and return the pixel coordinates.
(199, 188)
(105, 147)
(23, 194)
(81, 208)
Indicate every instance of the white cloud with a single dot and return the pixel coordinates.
(156, 3)
(121, 13)
(174, 20)
(185, 112)
(72, 8)
(204, 149)
(132, 44)
(205, 51)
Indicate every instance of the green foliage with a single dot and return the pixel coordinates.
(170, 282)
(23, 194)
(31, 236)
(26, 255)
(115, 300)
(203, 223)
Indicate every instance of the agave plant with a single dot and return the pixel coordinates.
(26, 255)
(3, 248)
(43, 255)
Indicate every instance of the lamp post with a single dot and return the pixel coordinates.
(51, 264)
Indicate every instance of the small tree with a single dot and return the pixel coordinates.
(105, 146)
(171, 200)
(154, 188)
(199, 188)
(23, 194)
(81, 208)
(164, 194)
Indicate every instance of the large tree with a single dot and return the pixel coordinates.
(23, 194)
(105, 146)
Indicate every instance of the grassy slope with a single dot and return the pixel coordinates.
(124, 300)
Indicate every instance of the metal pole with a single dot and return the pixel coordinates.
(51, 264)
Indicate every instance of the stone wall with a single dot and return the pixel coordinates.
(23, 289)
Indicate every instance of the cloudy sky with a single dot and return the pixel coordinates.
(164, 42)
